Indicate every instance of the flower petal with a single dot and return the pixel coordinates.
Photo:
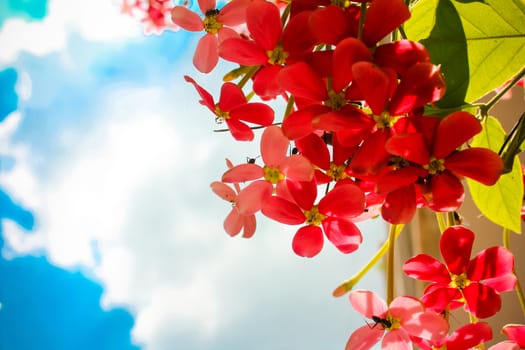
(382, 17)
(456, 245)
(344, 234)
(314, 148)
(206, 54)
(231, 97)
(239, 130)
(374, 83)
(347, 52)
(297, 168)
(515, 332)
(482, 301)
(364, 338)
(400, 205)
(368, 303)
(480, 164)
(490, 263)
(224, 191)
(453, 131)
(469, 335)
(446, 194)
(427, 325)
(233, 222)
(187, 19)
(308, 241)
(206, 97)
(242, 51)
(264, 23)
(426, 268)
(254, 112)
(397, 339)
(346, 200)
(301, 80)
(251, 198)
(273, 146)
(249, 225)
(409, 146)
(283, 211)
(405, 307)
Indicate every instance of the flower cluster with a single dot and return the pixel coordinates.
(355, 142)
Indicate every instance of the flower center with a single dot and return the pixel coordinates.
(211, 25)
(435, 166)
(273, 175)
(313, 216)
(385, 120)
(388, 323)
(335, 100)
(337, 172)
(221, 115)
(459, 281)
(277, 56)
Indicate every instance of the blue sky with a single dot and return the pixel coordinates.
(110, 235)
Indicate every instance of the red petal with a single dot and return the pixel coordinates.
(420, 84)
(299, 123)
(298, 168)
(480, 164)
(265, 82)
(206, 54)
(233, 13)
(409, 146)
(303, 192)
(490, 263)
(447, 192)
(273, 146)
(231, 97)
(395, 179)
(469, 335)
(482, 301)
(283, 211)
(347, 52)
(254, 112)
(400, 55)
(330, 24)
(264, 23)
(239, 130)
(453, 131)
(301, 80)
(224, 191)
(249, 225)
(372, 156)
(233, 222)
(344, 234)
(314, 148)
(400, 205)
(187, 19)
(515, 332)
(207, 99)
(439, 297)
(426, 268)
(308, 241)
(243, 52)
(456, 245)
(205, 5)
(346, 201)
(374, 84)
(382, 17)
(348, 118)
(297, 36)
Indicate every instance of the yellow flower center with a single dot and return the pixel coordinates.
(335, 100)
(313, 216)
(273, 175)
(221, 115)
(337, 172)
(211, 25)
(385, 120)
(341, 3)
(435, 166)
(459, 281)
(277, 56)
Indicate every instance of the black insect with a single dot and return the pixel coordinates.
(212, 12)
(381, 321)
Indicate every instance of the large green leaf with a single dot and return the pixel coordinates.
(502, 202)
(489, 45)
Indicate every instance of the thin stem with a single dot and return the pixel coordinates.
(248, 76)
(289, 106)
(390, 264)
(485, 108)
(519, 290)
(362, 20)
(451, 220)
(347, 285)
(441, 222)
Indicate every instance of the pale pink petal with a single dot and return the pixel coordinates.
(368, 303)
(297, 168)
(252, 197)
(233, 222)
(224, 191)
(249, 225)
(515, 332)
(505, 345)
(364, 338)
(187, 19)
(206, 54)
(273, 146)
(427, 325)
(242, 173)
(405, 307)
(396, 339)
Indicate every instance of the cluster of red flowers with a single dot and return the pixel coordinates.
(354, 126)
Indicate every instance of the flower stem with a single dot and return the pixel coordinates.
(518, 289)
(484, 109)
(247, 76)
(362, 20)
(390, 264)
(441, 222)
(347, 285)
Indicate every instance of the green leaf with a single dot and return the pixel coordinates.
(484, 39)
(502, 202)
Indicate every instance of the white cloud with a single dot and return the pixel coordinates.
(97, 21)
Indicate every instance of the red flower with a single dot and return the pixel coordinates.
(234, 109)
(477, 282)
(465, 337)
(516, 335)
(334, 213)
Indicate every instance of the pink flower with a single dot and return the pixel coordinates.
(278, 167)
(516, 335)
(477, 282)
(217, 25)
(404, 318)
(463, 338)
(234, 109)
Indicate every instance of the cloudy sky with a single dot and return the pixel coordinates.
(111, 237)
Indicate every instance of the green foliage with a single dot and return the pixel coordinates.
(479, 44)
(502, 202)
